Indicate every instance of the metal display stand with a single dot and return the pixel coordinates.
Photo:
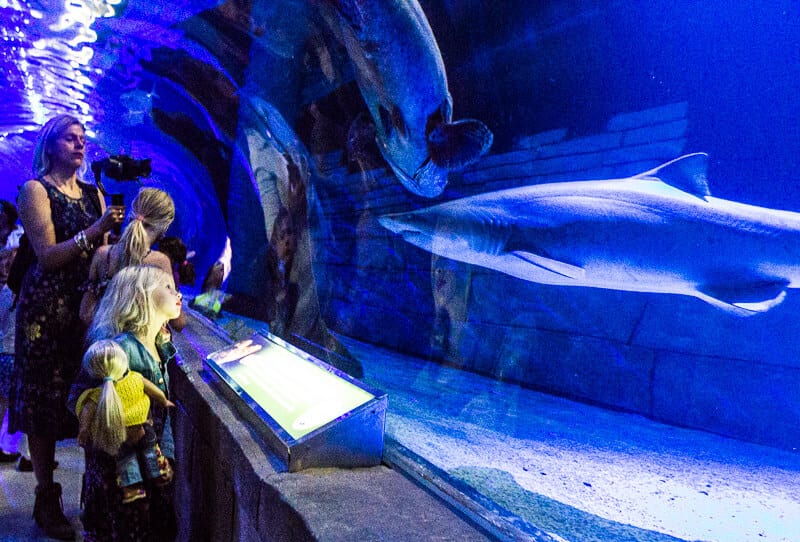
(310, 413)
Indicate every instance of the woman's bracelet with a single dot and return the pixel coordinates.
(80, 240)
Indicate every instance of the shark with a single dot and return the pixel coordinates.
(401, 76)
(660, 231)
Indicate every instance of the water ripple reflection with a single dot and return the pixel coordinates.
(47, 60)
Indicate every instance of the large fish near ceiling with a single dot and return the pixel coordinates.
(660, 231)
(400, 73)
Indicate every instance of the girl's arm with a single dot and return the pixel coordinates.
(85, 421)
(155, 394)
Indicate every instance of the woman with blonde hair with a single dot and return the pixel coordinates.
(151, 214)
(137, 304)
(64, 219)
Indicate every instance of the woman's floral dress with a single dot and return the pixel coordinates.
(49, 333)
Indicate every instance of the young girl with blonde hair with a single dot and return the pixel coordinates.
(114, 418)
(64, 219)
(151, 214)
(138, 302)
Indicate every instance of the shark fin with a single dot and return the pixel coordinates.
(687, 173)
(554, 266)
(746, 300)
(458, 144)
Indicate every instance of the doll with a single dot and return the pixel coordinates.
(114, 418)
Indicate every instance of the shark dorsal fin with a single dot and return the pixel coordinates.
(687, 173)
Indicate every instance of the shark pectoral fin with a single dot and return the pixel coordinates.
(459, 144)
(747, 299)
(554, 266)
(687, 173)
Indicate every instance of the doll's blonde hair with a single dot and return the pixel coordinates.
(106, 360)
(152, 209)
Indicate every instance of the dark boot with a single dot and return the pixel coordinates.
(48, 511)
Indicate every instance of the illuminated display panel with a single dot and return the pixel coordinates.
(300, 396)
(314, 414)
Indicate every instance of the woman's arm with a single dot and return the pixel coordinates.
(34, 213)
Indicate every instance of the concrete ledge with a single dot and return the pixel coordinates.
(229, 486)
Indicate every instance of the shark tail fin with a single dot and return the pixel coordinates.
(746, 300)
(687, 173)
(458, 144)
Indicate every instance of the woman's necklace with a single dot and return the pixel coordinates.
(78, 199)
(61, 188)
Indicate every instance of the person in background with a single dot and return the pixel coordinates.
(182, 267)
(280, 258)
(182, 271)
(137, 304)
(209, 300)
(12, 446)
(214, 278)
(151, 214)
(65, 219)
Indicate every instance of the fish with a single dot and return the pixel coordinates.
(401, 76)
(660, 232)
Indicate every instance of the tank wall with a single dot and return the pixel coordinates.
(670, 357)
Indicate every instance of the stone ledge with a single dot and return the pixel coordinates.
(229, 486)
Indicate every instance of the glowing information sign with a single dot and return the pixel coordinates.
(305, 397)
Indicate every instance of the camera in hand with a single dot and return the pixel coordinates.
(122, 167)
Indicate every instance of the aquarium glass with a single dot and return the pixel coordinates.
(563, 235)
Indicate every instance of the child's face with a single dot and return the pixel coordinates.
(167, 300)
(286, 240)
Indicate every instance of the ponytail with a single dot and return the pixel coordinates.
(132, 247)
(105, 359)
(108, 426)
(152, 209)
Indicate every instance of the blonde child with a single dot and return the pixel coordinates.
(114, 417)
(152, 212)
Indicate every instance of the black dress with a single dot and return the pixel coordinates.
(49, 333)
